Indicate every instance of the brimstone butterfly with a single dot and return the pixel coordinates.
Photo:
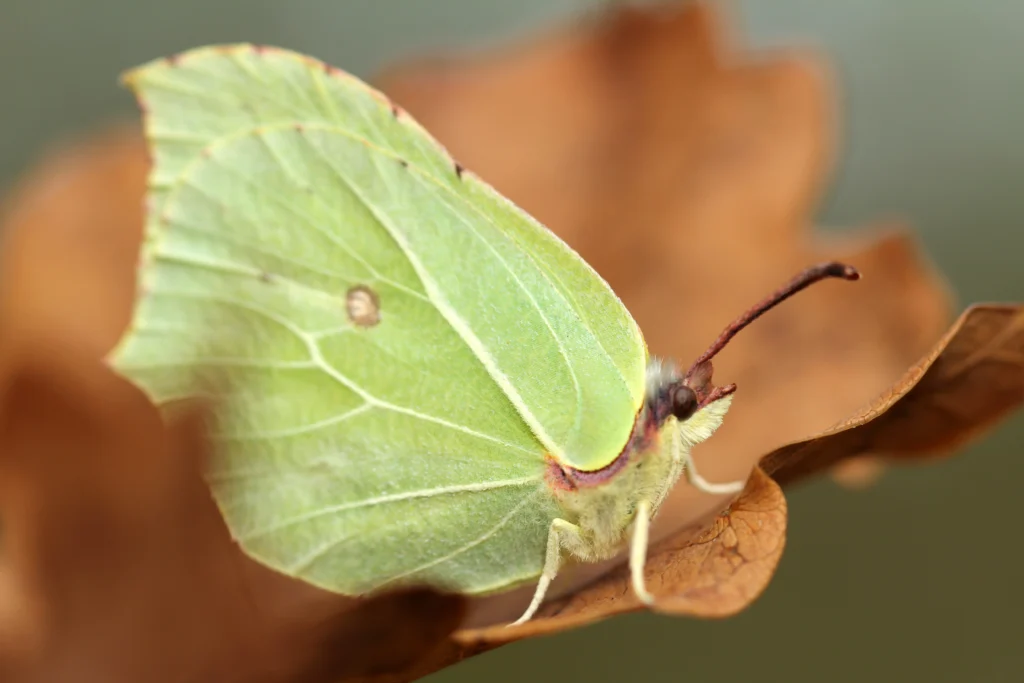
(427, 386)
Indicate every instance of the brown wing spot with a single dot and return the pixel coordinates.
(362, 306)
(404, 163)
(459, 169)
(266, 277)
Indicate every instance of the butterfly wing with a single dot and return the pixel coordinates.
(406, 347)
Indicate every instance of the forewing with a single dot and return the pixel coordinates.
(543, 325)
(416, 435)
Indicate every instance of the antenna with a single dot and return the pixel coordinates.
(802, 281)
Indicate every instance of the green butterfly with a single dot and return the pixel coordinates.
(426, 385)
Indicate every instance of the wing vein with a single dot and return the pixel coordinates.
(454, 319)
(318, 358)
(271, 194)
(296, 431)
(466, 547)
(233, 362)
(348, 279)
(529, 295)
(386, 500)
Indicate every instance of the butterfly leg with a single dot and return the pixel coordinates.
(638, 551)
(562, 535)
(702, 484)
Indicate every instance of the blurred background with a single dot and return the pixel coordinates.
(915, 578)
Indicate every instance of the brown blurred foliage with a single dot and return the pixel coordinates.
(122, 567)
(70, 240)
(683, 169)
(972, 378)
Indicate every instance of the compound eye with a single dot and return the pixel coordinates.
(684, 402)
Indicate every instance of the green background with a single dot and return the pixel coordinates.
(917, 578)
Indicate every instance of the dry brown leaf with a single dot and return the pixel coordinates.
(685, 172)
(973, 378)
(710, 571)
(124, 569)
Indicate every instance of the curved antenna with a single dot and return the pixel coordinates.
(701, 369)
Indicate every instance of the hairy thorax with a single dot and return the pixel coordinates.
(603, 503)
